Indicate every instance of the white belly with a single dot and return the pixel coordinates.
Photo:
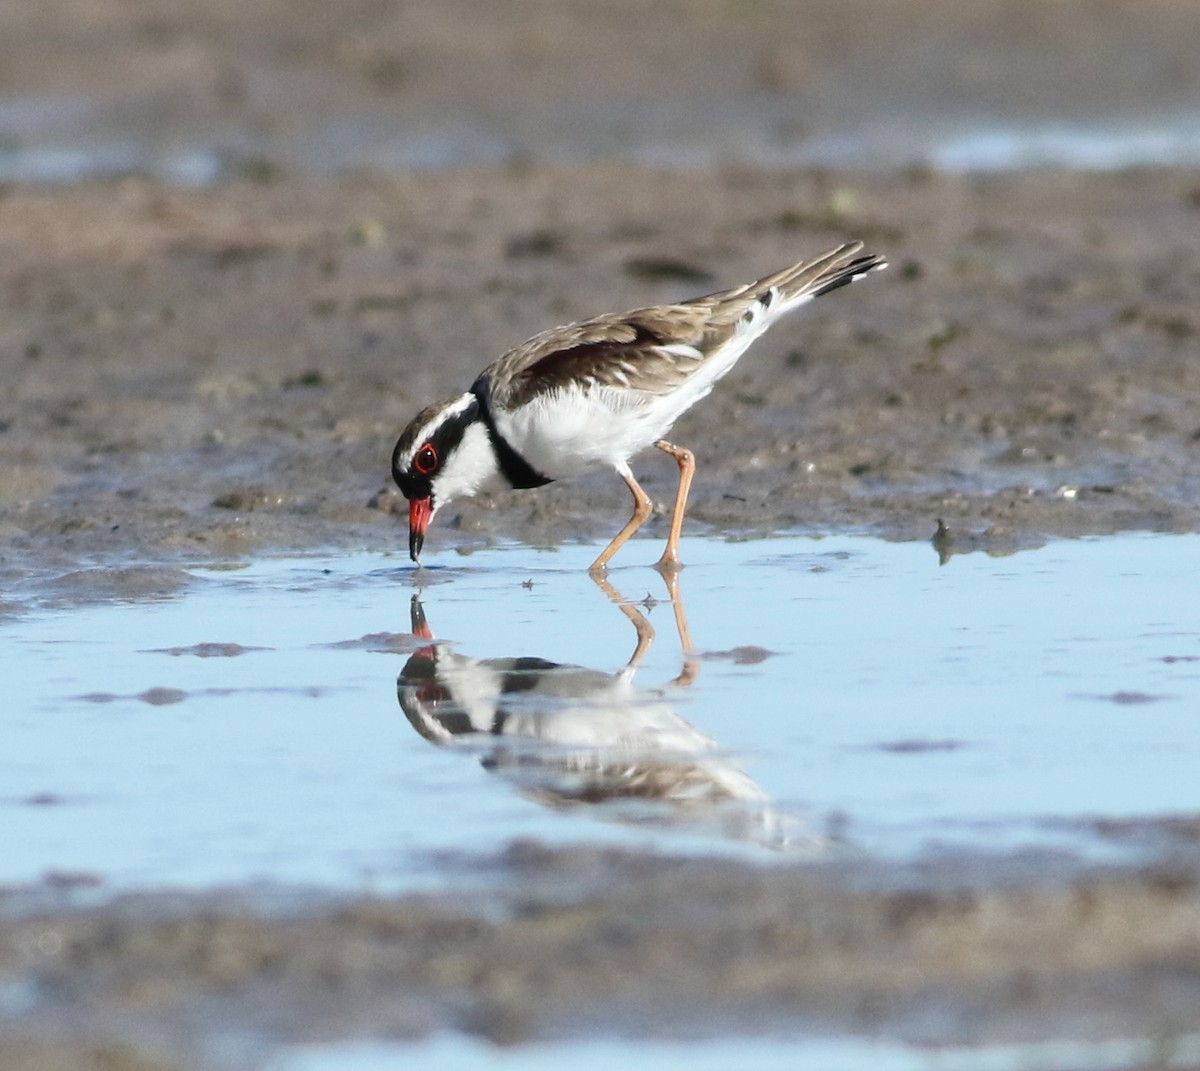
(573, 432)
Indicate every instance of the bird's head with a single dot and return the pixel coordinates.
(444, 453)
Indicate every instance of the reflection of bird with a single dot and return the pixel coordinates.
(593, 394)
(568, 735)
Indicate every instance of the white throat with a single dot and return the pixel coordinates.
(469, 469)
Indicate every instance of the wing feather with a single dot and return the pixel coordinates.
(648, 350)
(655, 350)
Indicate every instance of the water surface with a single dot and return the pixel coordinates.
(845, 695)
(748, 1054)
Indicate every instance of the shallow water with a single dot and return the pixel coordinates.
(830, 1054)
(65, 139)
(847, 695)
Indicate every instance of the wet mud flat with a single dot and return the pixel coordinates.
(366, 207)
(577, 942)
(210, 359)
(204, 375)
(196, 374)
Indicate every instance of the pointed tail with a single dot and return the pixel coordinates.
(784, 290)
(810, 279)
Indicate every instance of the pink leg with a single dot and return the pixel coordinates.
(642, 507)
(686, 460)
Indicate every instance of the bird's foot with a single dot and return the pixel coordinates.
(669, 564)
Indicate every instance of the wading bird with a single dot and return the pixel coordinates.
(594, 393)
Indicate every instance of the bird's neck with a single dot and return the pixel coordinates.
(516, 470)
(471, 468)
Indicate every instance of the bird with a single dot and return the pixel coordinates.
(593, 394)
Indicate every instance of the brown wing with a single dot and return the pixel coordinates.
(654, 350)
(649, 350)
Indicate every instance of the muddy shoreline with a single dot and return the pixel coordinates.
(209, 374)
(950, 952)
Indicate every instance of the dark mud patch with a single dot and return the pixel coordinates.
(209, 650)
(164, 696)
(133, 583)
(382, 643)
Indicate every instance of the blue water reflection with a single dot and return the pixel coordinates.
(877, 701)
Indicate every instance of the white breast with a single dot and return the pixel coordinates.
(575, 429)
(572, 431)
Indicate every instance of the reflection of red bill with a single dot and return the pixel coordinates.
(420, 511)
(421, 629)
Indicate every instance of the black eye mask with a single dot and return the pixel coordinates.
(445, 438)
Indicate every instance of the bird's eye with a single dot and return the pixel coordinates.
(426, 460)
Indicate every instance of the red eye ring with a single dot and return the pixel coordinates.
(426, 460)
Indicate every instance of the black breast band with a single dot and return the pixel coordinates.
(519, 472)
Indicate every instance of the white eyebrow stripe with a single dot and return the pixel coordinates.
(459, 405)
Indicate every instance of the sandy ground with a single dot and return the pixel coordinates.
(214, 373)
(208, 373)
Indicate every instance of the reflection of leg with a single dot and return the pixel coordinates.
(681, 622)
(642, 507)
(686, 460)
(691, 664)
(645, 631)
